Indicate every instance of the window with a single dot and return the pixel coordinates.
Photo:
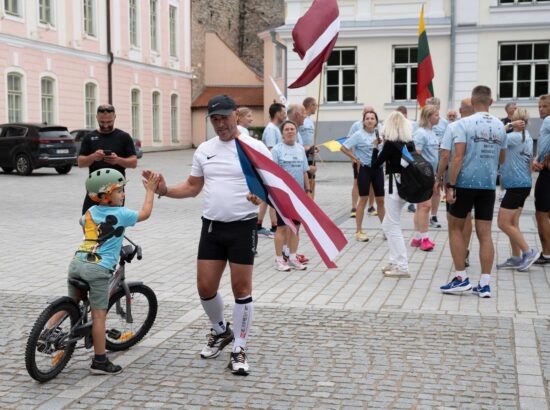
(523, 70)
(153, 5)
(15, 97)
(89, 17)
(136, 110)
(156, 116)
(173, 31)
(91, 104)
(13, 7)
(522, 1)
(47, 89)
(404, 73)
(133, 23)
(45, 11)
(174, 117)
(341, 76)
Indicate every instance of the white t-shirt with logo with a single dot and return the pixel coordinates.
(225, 187)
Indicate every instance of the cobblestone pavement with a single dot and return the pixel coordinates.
(346, 337)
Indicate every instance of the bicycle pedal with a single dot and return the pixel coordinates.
(114, 334)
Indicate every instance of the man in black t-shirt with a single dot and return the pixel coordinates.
(106, 147)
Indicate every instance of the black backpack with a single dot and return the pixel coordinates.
(417, 179)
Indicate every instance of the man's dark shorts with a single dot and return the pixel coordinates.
(228, 241)
(482, 200)
(368, 176)
(542, 191)
(515, 198)
(280, 221)
(355, 171)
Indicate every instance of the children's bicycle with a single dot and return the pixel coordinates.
(131, 313)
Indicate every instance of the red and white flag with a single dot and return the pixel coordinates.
(274, 185)
(314, 36)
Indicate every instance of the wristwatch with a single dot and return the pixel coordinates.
(450, 186)
(309, 191)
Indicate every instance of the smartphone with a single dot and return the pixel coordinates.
(107, 152)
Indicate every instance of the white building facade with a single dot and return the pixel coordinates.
(504, 44)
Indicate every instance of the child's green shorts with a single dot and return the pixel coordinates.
(97, 277)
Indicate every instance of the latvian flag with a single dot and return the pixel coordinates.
(314, 36)
(275, 186)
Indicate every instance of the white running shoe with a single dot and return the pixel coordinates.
(216, 342)
(296, 265)
(238, 363)
(281, 266)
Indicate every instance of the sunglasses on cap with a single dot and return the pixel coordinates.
(106, 109)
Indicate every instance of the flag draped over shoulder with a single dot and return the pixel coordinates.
(314, 35)
(425, 71)
(274, 185)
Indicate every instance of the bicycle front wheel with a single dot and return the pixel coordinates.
(49, 348)
(121, 332)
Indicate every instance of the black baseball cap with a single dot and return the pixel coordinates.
(221, 104)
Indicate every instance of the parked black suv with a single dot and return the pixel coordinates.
(28, 146)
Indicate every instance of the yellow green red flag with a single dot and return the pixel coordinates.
(425, 71)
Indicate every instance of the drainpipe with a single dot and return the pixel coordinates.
(277, 42)
(110, 53)
(453, 55)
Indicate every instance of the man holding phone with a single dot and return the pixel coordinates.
(106, 147)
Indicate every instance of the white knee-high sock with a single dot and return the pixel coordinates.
(214, 309)
(243, 312)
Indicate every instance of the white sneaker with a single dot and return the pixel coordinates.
(388, 268)
(281, 266)
(296, 265)
(238, 363)
(397, 272)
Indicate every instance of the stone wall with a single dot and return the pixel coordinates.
(237, 23)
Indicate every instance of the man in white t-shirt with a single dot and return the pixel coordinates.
(229, 219)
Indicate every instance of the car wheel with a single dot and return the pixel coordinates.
(23, 164)
(63, 169)
(7, 170)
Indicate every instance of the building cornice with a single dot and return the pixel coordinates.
(153, 68)
(501, 27)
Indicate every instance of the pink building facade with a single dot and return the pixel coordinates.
(55, 60)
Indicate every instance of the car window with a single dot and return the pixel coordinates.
(16, 132)
(53, 133)
(1, 129)
(75, 136)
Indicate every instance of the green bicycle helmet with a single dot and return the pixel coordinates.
(102, 182)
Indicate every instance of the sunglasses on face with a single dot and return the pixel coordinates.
(108, 109)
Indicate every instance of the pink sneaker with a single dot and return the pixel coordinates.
(427, 245)
(415, 243)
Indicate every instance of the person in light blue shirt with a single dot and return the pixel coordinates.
(441, 126)
(427, 145)
(515, 177)
(359, 148)
(480, 145)
(542, 186)
(290, 156)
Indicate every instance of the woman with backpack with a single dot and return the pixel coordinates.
(359, 148)
(427, 145)
(397, 135)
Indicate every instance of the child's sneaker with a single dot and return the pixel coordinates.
(456, 286)
(482, 292)
(105, 367)
(415, 243)
(282, 266)
(296, 265)
(427, 245)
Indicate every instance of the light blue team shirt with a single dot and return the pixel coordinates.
(362, 143)
(356, 126)
(544, 139)
(103, 233)
(307, 131)
(292, 158)
(485, 137)
(447, 143)
(439, 129)
(414, 125)
(271, 135)
(426, 141)
(516, 170)
(299, 139)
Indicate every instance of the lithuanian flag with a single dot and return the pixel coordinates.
(425, 71)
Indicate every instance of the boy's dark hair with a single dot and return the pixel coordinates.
(274, 109)
(481, 95)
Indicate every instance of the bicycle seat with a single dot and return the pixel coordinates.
(79, 284)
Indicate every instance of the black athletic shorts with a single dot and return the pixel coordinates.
(367, 176)
(310, 175)
(355, 172)
(542, 191)
(228, 241)
(280, 221)
(514, 198)
(482, 200)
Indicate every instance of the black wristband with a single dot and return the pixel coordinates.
(450, 186)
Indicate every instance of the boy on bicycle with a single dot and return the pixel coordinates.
(97, 257)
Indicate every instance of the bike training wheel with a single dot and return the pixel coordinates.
(121, 335)
(47, 351)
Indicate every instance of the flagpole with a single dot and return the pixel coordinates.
(317, 113)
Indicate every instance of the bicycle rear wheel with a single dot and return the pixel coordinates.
(122, 335)
(48, 350)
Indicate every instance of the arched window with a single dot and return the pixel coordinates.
(91, 104)
(15, 97)
(156, 116)
(136, 110)
(174, 118)
(47, 91)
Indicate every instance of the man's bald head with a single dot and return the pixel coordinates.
(466, 108)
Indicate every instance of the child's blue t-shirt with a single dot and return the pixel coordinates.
(103, 233)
